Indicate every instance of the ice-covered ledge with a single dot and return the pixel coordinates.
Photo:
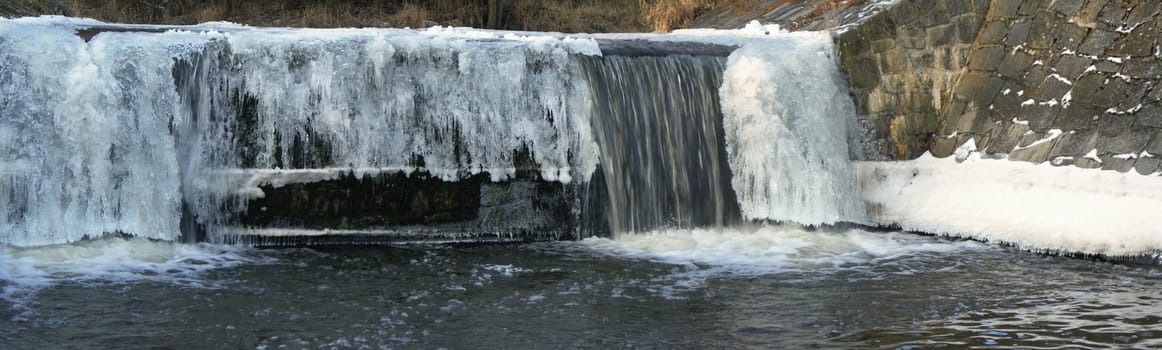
(1034, 206)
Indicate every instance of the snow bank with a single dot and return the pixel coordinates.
(1035, 206)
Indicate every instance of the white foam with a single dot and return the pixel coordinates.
(773, 249)
(24, 271)
(1036, 206)
(785, 113)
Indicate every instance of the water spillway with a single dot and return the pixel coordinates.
(235, 134)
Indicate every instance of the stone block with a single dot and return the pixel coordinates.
(1147, 165)
(1019, 32)
(1075, 144)
(1155, 145)
(967, 27)
(1155, 93)
(862, 74)
(1030, 153)
(1119, 94)
(974, 120)
(1037, 73)
(986, 58)
(1138, 43)
(1113, 126)
(1015, 64)
(989, 91)
(912, 38)
(1132, 141)
(1087, 87)
(1119, 164)
(1078, 119)
(1145, 11)
(1098, 41)
(957, 8)
(1112, 14)
(1041, 33)
(941, 35)
(1068, 36)
(943, 146)
(970, 85)
(993, 33)
(1008, 106)
(1030, 7)
(1051, 88)
(1143, 68)
(1067, 8)
(1150, 116)
(956, 57)
(1087, 163)
(883, 45)
(1005, 137)
(1040, 117)
(981, 6)
(952, 120)
(1107, 66)
(1006, 8)
(1071, 66)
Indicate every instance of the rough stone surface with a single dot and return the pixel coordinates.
(903, 80)
(1089, 70)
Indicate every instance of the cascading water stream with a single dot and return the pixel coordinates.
(658, 125)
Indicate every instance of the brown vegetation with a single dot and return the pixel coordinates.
(564, 15)
(537, 15)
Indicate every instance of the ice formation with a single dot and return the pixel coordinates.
(125, 130)
(785, 116)
(137, 129)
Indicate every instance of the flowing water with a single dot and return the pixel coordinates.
(769, 287)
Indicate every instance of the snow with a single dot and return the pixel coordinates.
(1028, 102)
(1049, 136)
(1035, 206)
(1092, 155)
(1132, 110)
(1061, 79)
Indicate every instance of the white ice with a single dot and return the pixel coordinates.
(785, 116)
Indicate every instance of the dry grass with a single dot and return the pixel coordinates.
(410, 15)
(667, 15)
(541, 15)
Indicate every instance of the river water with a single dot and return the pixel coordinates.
(760, 287)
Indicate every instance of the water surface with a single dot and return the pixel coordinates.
(770, 287)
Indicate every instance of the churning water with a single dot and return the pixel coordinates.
(768, 287)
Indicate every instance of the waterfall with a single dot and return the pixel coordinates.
(160, 131)
(659, 129)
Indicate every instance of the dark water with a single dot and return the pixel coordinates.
(759, 288)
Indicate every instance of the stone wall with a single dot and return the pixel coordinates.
(1072, 82)
(902, 63)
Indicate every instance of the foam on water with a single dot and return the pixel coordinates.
(24, 271)
(774, 249)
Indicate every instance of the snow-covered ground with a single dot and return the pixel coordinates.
(1035, 206)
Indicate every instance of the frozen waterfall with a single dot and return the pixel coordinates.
(144, 130)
